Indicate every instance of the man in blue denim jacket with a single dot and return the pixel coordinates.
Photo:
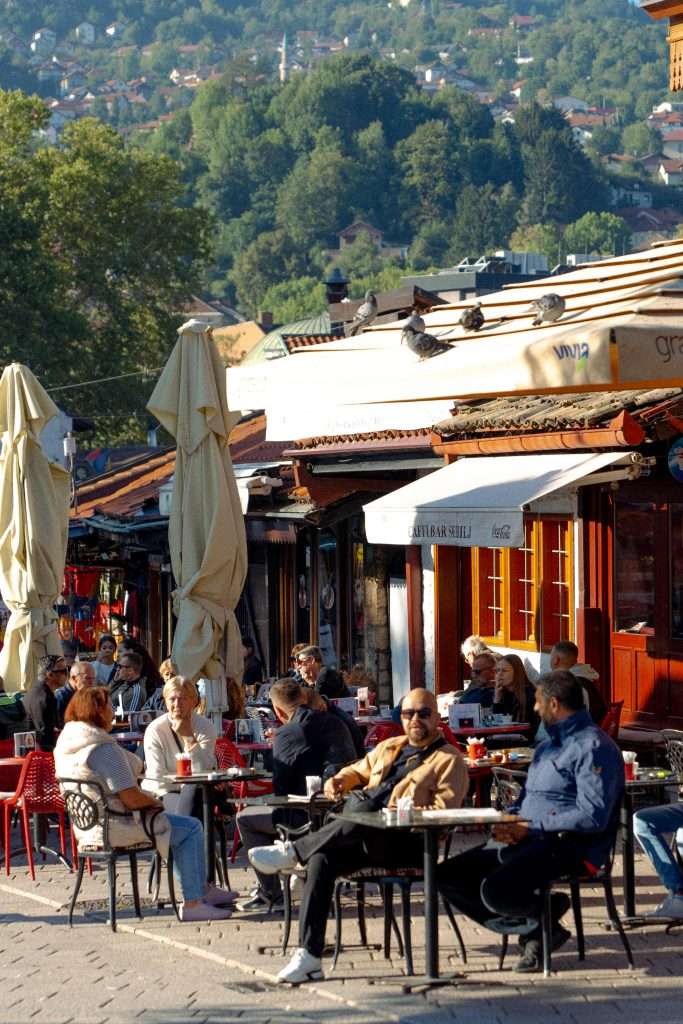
(567, 816)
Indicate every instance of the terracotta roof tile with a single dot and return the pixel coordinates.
(125, 490)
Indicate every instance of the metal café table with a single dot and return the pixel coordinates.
(651, 782)
(431, 823)
(207, 781)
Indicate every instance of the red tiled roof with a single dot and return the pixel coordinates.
(124, 491)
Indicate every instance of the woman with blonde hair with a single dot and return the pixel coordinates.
(515, 694)
(182, 730)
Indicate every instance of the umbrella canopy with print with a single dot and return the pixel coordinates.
(206, 528)
(34, 516)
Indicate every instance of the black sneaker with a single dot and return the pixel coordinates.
(532, 960)
(560, 904)
(258, 901)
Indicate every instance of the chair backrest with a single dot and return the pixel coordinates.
(451, 738)
(506, 788)
(83, 811)
(382, 731)
(40, 790)
(673, 739)
(610, 723)
(227, 754)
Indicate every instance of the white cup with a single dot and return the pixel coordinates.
(313, 784)
(385, 711)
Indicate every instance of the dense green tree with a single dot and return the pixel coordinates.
(271, 258)
(543, 238)
(318, 198)
(640, 139)
(428, 164)
(600, 233)
(97, 255)
(483, 220)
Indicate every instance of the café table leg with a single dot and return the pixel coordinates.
(431, 977)
(209, 843)
(628, 855)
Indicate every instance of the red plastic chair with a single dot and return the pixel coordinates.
(227, 756)
(381, 731)
(37, 792)
(451, 738)
(610, 723)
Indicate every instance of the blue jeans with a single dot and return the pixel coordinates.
(187, 843)
(651, 826)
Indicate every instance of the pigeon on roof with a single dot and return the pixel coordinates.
(472, 318)
(423, 345)
(548, 309)
(365, 315)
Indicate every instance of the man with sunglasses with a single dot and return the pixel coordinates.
(419, 764)
(40, 702)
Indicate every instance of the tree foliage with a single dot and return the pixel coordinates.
(98, 254)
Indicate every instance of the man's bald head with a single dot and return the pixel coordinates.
(420, 717)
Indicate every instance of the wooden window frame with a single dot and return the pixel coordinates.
(536, 544)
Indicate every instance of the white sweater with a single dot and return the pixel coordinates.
(161, 749)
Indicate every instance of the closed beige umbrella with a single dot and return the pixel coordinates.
(206, 528)
(34, 516)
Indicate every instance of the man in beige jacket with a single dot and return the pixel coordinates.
(419, 764)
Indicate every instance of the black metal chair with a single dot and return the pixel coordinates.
(85, 813)
(508, 785)
(387, 879)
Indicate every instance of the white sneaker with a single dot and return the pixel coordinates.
(671, 907)
(301, 968)
(281, 856)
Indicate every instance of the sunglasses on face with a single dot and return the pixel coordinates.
(420, 712)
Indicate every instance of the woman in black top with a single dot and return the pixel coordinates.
(515, 694)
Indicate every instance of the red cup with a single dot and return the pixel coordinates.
(183, 765)
(629, 771)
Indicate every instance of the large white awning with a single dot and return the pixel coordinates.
(481, 502)
(622, 329)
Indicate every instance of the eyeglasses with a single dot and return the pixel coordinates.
(302, 661)
(420, 712)
(59, 671)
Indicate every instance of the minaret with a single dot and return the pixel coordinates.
(283, 67)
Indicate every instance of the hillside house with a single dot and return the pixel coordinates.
(85, 33)
(671, 172)
(522, 22)
(631, 195)
(648, 225)
(672, 144)
(567, 104)
(43, 42)
(115, 29)
(360, 227)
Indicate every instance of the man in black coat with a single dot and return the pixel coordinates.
(307, 743)
(40, 702)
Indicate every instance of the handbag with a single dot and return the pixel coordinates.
(361, 801)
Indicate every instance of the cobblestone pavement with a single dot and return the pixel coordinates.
(159, 971)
